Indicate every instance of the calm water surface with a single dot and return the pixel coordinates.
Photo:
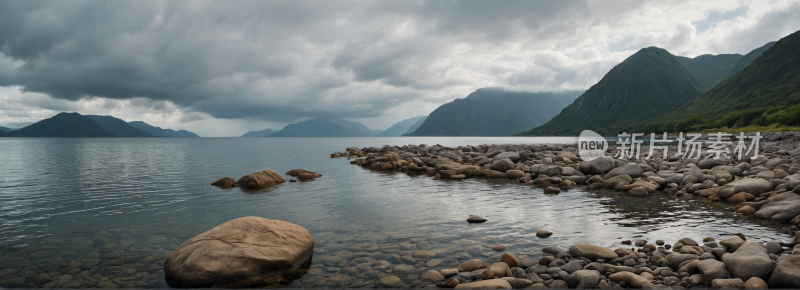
(78, 211)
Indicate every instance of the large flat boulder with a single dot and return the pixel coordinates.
(599, 165)
(754, 186)
(787, 272)
(749, 260)
(240, 253)
(513, 156)
(503, 165)
(713, 269)
(782, 207)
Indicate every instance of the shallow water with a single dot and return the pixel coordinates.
(70, 206)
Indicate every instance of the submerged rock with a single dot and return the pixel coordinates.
(474, 219)
(225, 182)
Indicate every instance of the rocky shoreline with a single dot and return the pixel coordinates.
(733, 263)
(766, 187)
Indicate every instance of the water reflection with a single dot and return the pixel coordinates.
(99, 212)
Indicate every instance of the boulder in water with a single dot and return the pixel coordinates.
(225, 182)
(260, 180)
(240, 253)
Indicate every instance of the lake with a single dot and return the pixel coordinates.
(75, 212)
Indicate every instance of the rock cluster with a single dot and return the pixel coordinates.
(746, 265)
(766, 187)
(264, 179)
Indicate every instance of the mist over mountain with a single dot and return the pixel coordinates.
(416, 126)
(180, 133)
(152, 130)
(494, 112)
(262, 133)
(402, 127)
(5, 130)
(352, 129)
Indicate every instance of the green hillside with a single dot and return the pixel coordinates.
(494, 112)
(750, 57)
(649, 83)
(767, 91)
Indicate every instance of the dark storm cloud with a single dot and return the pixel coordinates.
(285, 60)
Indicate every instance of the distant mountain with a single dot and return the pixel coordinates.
(17, 126)
(117, 126)
(494, 112)
(765, 92)
(3, 133)
(415, 126)
(63, 125)
(400, 128)
(312, 128)
(649, 83)
(5, 130)
(180, 133)
(152, 130)
(262, 133)
(352, 129)
(750, 57)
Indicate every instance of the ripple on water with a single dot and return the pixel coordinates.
(111, 210)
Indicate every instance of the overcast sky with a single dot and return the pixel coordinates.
(222, 68)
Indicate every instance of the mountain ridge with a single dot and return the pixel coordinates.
(764, 92)
(117, 126)
(493, 112)
(400, 128)
(649, 83)
(63, 125)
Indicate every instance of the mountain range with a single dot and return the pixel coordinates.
(337, 127)
(765, 92)
(648, 84)
(494, 112)
(77, 125)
